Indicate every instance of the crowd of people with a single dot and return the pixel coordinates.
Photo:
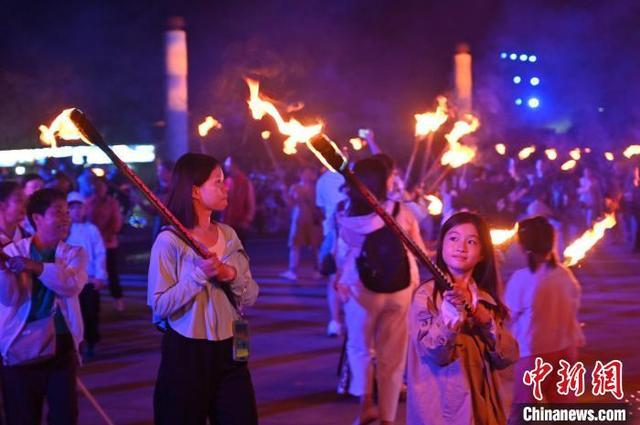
(443, 342)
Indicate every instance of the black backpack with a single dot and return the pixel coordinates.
(383, 264)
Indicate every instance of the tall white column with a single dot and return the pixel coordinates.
(177, 110)
(463, 78)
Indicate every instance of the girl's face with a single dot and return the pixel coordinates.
(212, 194)
(461, 248)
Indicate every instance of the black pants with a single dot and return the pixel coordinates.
(90, 307)
(198, 379)
(112, 273)
(25, 388)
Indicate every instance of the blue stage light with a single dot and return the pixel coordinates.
(533, 102)
(534, 81)
(523, 57)
(533, 58)
(518, 101)
(513, 56)
(517, 79)
(503, 55)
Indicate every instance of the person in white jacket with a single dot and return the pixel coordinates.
(544, 299)
(40, 280)
(376, 322)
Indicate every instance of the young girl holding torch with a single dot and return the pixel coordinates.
(457, 341)
(198, 300)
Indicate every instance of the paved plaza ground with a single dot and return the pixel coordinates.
(294, 363)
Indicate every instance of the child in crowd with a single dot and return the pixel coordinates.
(306, 221)
(85, 234)
(457, 340)
(544, 298)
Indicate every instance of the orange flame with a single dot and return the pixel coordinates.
(575, 154)
(552, 154)
(458, 154)
(502, 236)
(429, 122)
(297, 132)
(526, 152)
(501, 149)
(208, 124)
(435, 205)
(570, 164)
(609, 156)
(356, 143)
(61, 127)
(265, 135)
(631, 150)
(578, 249)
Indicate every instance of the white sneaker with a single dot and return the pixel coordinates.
(334, 328)
(289, 275)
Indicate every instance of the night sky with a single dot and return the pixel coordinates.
(353, 63)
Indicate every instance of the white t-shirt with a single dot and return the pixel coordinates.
(328, 196)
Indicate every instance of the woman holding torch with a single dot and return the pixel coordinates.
(198, 301)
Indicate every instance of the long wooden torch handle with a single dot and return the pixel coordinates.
(89, 131)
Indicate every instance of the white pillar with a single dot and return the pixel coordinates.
(177, 118)
(463, 78)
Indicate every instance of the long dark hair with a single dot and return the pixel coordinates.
(485, 273)
(536, 237)
(373, 173)
(191, 169)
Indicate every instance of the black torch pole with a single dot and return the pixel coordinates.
(331, 156)
(91, 134)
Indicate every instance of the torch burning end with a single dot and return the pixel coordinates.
(328, 153)
(88, 132)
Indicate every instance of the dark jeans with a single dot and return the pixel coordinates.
(90, 307)
(198, 379)
(112, 272)
(25, 388)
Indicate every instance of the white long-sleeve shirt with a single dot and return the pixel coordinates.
(180, 295)
(87, 235)
(544, 309)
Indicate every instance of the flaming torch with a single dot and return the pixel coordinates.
(357, 143)
(77, 126)
(569, 165)
(575, 154)
(578, 249)
(502, 236)
(631, 151)
(609, 156)
(426, 126)
(501, 149)
(551, 153)
(61, 127)
(297, 132)
(334, 159)
(526, 152)
(435, 205)
(208, 124)
(456, 154)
